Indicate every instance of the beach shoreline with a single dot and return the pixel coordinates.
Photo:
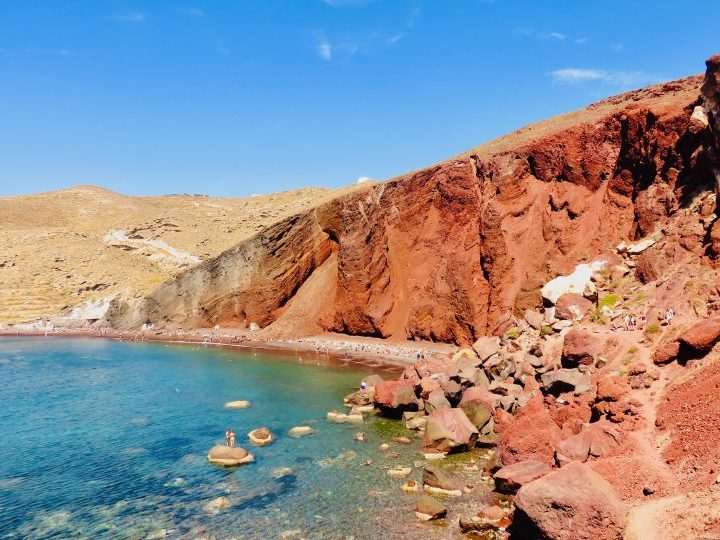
(338, 349)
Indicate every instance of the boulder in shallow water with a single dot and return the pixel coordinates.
(436, 478)
(261, 436)
(300, 431)
(448, 429)
(411, 486)
(399, 472)
(229, 457)
(241, 404)
(395, 397)
(428, 508)
(512, 477)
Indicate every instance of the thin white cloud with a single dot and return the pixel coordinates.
(324, 50)
(136, 17)
(617, 47)
(414, 15)
(193, 11)
(624, 79)
(548, 36)
(394, 39)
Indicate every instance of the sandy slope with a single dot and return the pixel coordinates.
(60, 248)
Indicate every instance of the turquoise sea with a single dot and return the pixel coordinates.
(108, 439)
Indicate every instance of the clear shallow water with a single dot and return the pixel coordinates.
(104, 439)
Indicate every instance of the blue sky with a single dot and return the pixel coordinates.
(232, 98)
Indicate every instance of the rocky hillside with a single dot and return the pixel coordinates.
(86, 243)
(452, 252)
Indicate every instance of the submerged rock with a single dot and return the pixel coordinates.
(216, 505)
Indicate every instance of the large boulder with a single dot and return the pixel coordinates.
(580, 347)
(700, 338)
(572, 307)
(512, 477)
(666, 353)
(478, 412)
(572, 503)
(561, 381)
(534, 319)
(436, 400)
(486, 346)
(597, 440)
(395, 397)
(483, 395)
(530, 434)
(361, 397)
(229, 457)
(448, 429)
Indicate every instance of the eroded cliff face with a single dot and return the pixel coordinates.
(251, 282)
(450, 252)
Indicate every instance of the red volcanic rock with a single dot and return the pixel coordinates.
(580, 347)
(572, 503)
(611, 388)
(481, 395)
(666, 353)
(571, 306)
(701, 337)
(394, 397)
(711, 95)
(597, 440)
(647, 266)
(511, 478)
(689, 417)
(447, 429)
(529, 435)
(427, 385)
(448, 253)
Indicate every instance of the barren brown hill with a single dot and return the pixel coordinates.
(451, 252)
(61, 248)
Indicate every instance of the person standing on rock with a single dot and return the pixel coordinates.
(228, 431)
